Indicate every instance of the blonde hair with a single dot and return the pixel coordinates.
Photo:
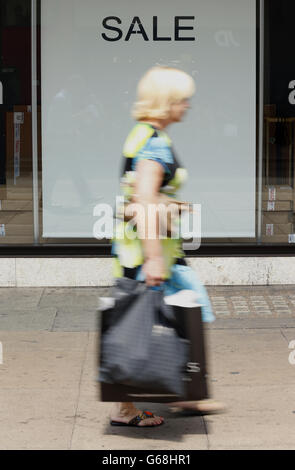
(158, 89)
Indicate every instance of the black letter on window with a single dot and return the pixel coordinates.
(135, 21)
(179, 28)
(155, 31)
(105, 25)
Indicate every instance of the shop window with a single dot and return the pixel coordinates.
(16, 193)
(279, 124)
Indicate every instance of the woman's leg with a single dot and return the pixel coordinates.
(184, 277)
(123, 412)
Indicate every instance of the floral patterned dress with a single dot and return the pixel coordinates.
(146, 142)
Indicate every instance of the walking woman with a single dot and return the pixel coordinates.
(150, 169)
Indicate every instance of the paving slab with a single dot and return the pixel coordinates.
(258, 417)
(36, 341)
(35, 361)
(239, 357)
(32, 419)
(49, 369)
(90, 365)
(252, 301)
(19, 297)
(75, 319)
(251, 323)
(83, 297)
(232, 290)
(27, 319)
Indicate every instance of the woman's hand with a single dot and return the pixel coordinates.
(154, 270)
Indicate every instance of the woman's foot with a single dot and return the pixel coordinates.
(128, 414)
(208, 406)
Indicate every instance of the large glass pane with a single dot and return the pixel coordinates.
(91, 63)
(16, 195)
(279, 122)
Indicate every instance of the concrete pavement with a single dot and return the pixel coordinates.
(48, 392)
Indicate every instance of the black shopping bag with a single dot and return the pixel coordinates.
(135, 365)
(140, 345)
(191, 322)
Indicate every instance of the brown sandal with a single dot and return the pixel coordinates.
(136, 420)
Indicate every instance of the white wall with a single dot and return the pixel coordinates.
(80, 272)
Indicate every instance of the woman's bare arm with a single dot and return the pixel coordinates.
(149, 176)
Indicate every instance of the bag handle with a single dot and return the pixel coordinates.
(167, 311)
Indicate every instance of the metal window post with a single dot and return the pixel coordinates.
(34, 120)
(261, 120)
